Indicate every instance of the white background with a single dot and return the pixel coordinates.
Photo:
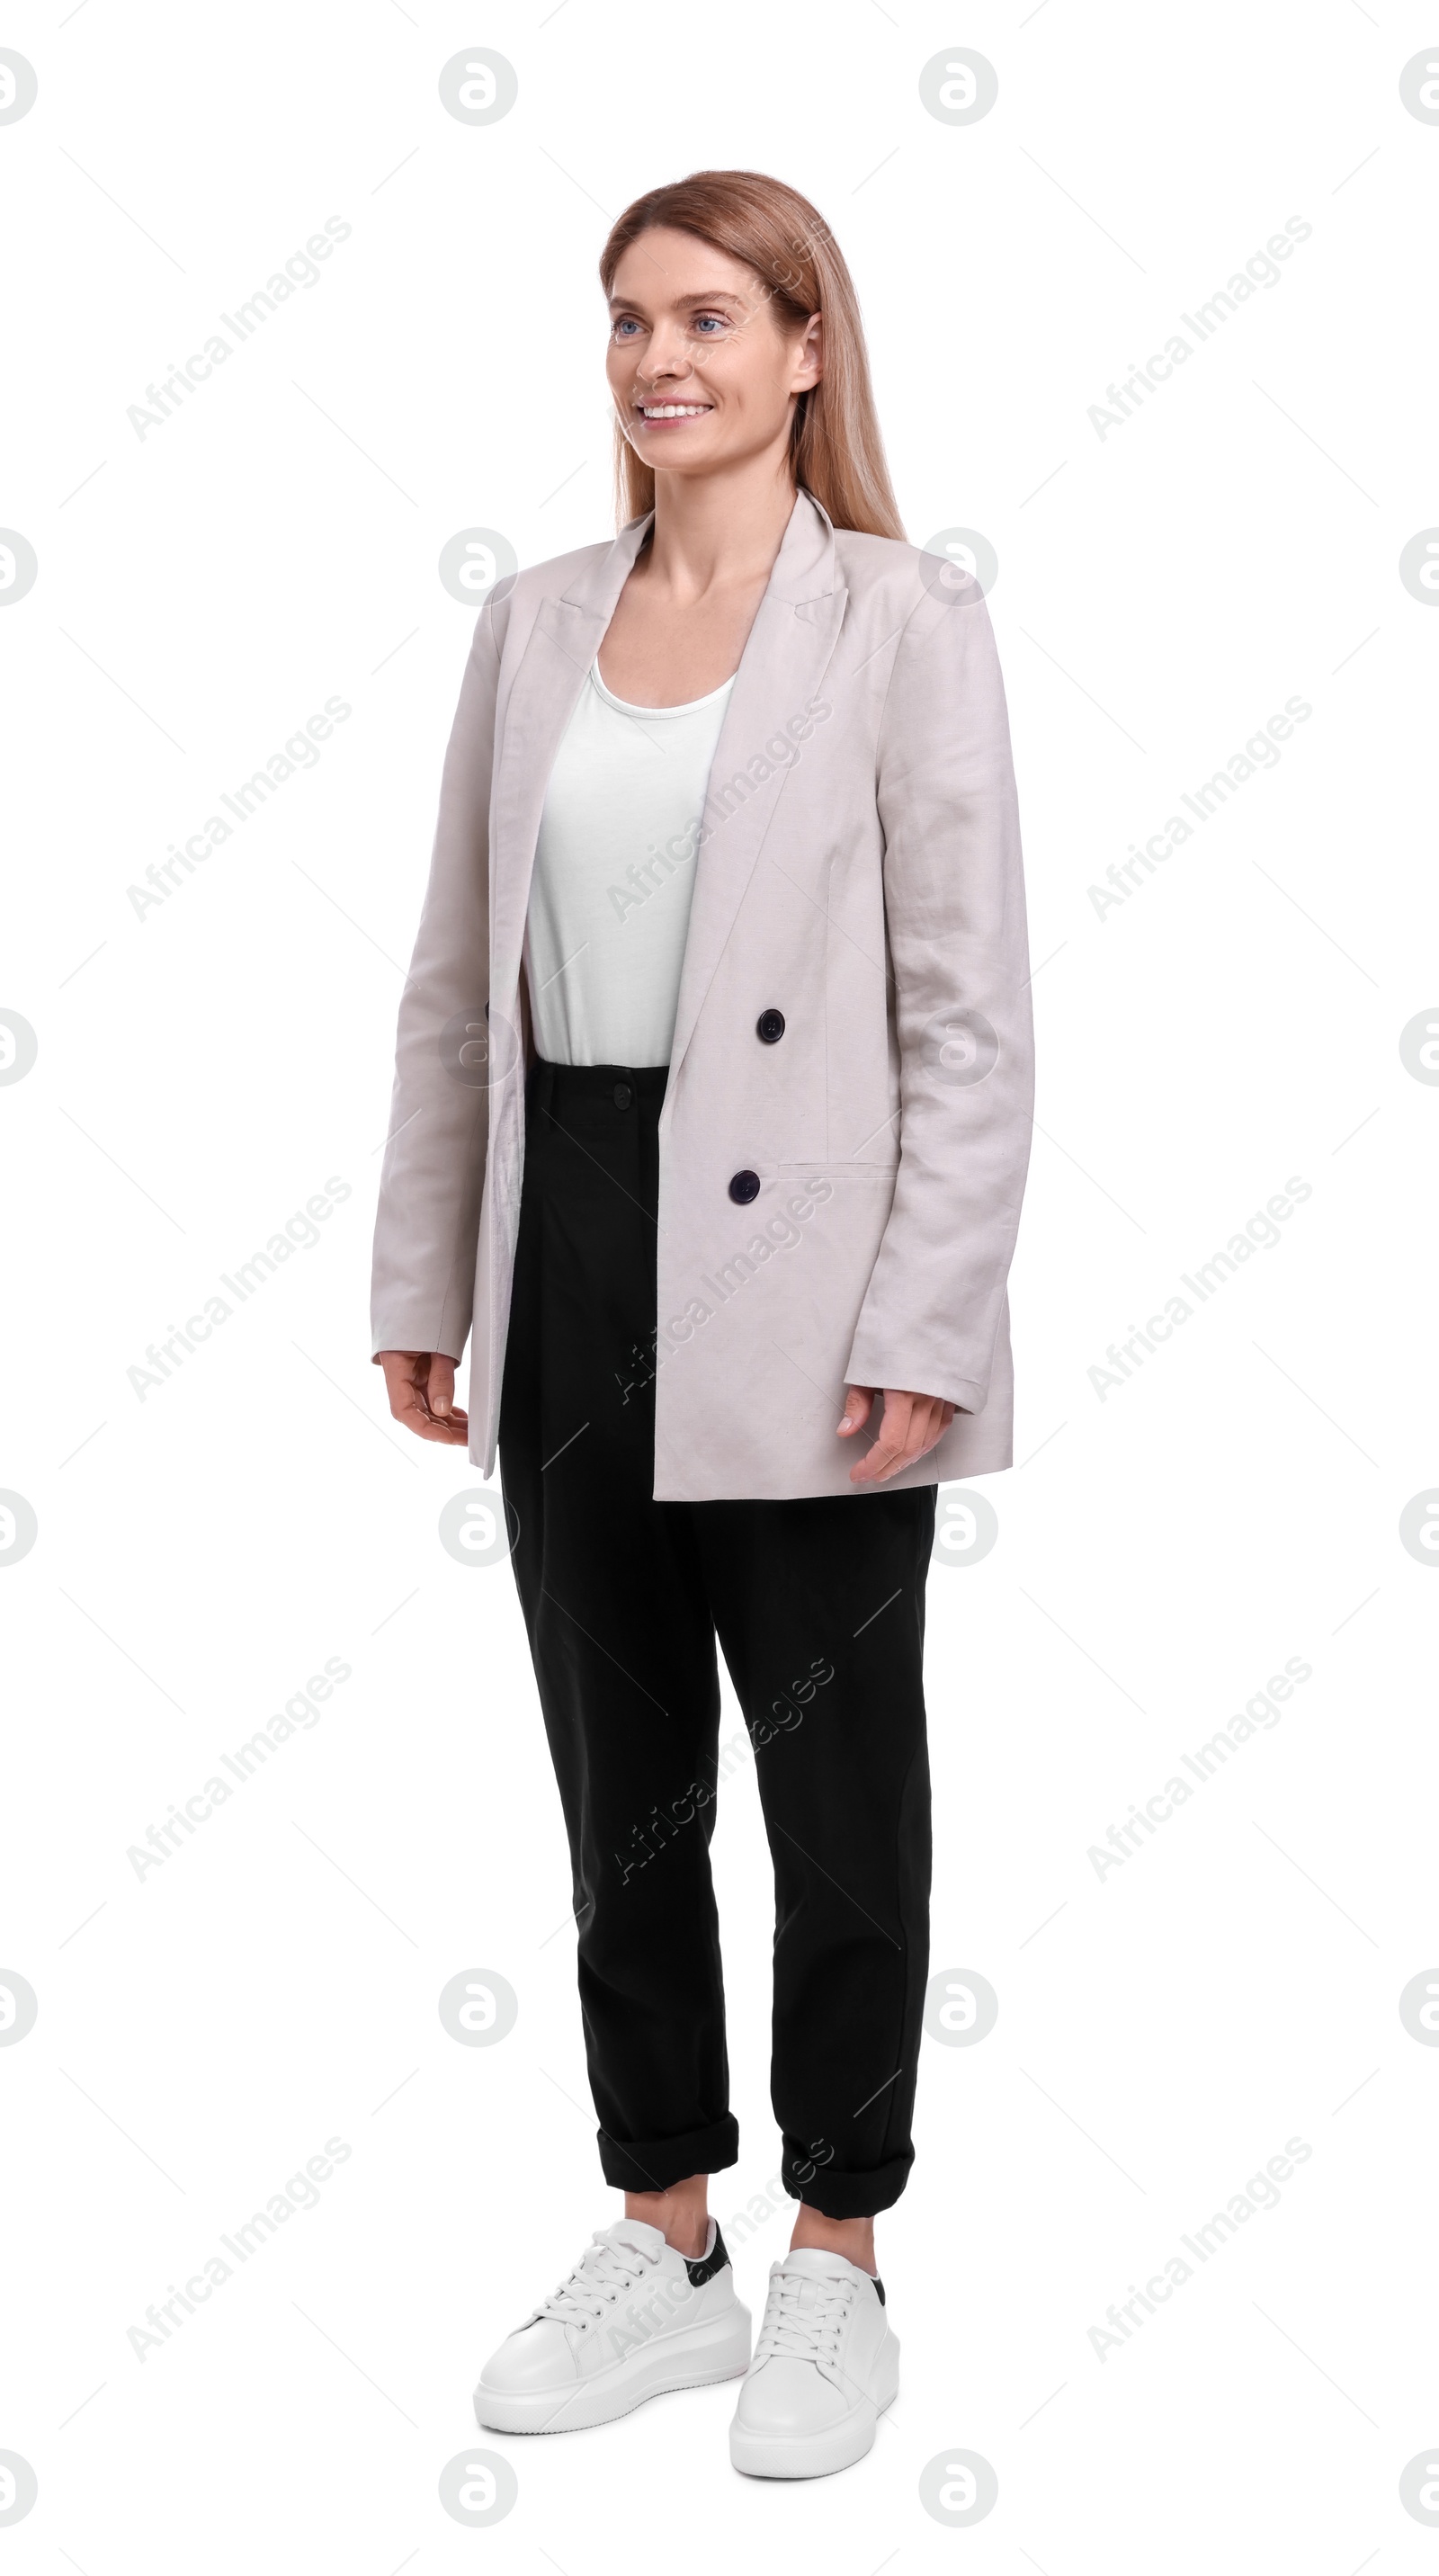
(205, 1068)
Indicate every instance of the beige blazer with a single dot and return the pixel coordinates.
(858, 873)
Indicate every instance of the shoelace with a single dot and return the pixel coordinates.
(602, 2272)
(803, 2317)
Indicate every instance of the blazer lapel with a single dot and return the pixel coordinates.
(781, 669)
(563, 642)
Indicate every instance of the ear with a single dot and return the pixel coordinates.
(809, 365)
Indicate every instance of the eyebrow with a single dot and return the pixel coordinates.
(721, 296)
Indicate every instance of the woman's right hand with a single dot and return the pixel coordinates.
(421, 1389)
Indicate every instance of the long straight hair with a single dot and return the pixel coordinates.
(836, 451)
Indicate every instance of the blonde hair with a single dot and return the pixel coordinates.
(836, 451)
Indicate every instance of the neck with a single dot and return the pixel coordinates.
(717, 530)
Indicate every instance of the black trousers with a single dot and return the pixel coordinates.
(818, 1605)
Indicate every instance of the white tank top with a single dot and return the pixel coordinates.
(614, 876)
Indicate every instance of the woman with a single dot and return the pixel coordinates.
(712, 1110)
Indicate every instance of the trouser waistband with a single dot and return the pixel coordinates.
(623, 1087)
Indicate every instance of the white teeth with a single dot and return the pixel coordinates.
(674, 411)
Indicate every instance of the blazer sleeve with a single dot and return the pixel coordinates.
(958, 949)
(427, 1221)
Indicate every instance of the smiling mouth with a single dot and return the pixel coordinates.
(673, 411)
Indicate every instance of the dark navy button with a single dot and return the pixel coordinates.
(770, 1027)
(623, 1095)
(744, 1187)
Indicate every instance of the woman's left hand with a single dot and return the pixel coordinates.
(910, 1424)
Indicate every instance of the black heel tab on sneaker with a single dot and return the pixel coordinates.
(878, 2287)
(705, 2266)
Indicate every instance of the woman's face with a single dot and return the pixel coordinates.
(702, 373)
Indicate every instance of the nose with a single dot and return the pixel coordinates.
(667, 358)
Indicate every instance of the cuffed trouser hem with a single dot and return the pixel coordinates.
(845, 2195)
(655, 2164)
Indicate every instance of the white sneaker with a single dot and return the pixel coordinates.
(824, 2369)
(633, 2319)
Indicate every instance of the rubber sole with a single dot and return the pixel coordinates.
(717, 2351)
(813, 2455)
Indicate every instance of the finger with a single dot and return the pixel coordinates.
(399, 1368)
(858, 1405)
(943, 1416)
(912, 1425)
(930, 1428)
(408, 1406)
(891, 1448)
(927, 1428)
(453, 1428)
(406, 1376)
(445, 1420)
(454, 1431)
(876, 1466)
